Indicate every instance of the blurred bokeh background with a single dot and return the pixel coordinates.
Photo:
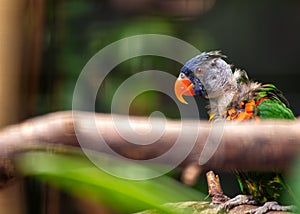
(45, 44)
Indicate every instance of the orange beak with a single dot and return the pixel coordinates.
(183, 86)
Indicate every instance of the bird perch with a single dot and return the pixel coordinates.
(259, 146)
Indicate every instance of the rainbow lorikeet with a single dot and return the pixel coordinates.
(233, 96)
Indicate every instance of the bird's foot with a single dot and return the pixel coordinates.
(236, 201)
(271, 206)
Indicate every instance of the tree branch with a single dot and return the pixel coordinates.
(263, 145)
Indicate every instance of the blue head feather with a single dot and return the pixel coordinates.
(191, 65)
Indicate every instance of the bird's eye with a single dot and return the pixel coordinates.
(200, 71)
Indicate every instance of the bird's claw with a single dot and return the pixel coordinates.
(236, 201)
(248, 200)
(271, 206)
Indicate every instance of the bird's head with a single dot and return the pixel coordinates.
(206, 75)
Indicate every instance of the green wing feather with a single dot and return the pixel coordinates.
(267, 186)
(276, 106)
(262, 186)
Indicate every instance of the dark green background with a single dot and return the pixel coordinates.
(261, 37)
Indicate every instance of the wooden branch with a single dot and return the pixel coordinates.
(214, 188)
(191, 173)
(245, 146)
(217, 197)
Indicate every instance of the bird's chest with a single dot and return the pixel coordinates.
(244, 110)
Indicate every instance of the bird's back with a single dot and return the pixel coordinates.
(258, 102)
(262, 102)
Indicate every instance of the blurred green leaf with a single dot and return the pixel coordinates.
(77, 175)
(292, 195)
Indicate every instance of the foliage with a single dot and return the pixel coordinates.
(75, 174)
(292, 194)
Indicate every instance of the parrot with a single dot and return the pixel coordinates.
(234, 97)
